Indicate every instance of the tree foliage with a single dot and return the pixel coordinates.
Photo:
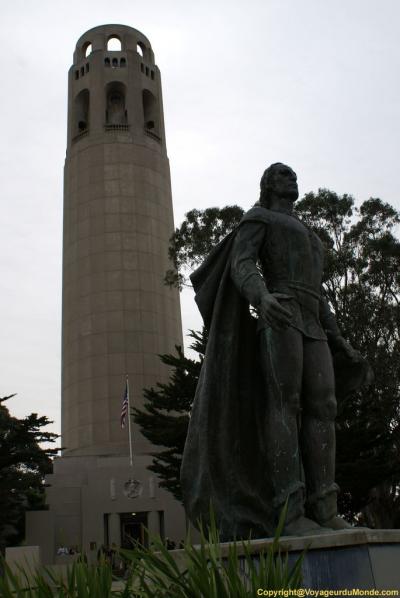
(362, 285)
(165, 417)
(193, 240)
(23, 465)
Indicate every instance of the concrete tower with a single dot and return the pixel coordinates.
(118, 315)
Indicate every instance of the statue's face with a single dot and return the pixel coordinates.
(285, 182)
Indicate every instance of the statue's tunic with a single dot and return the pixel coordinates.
(291, 259)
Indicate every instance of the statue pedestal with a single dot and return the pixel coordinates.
(358, 558)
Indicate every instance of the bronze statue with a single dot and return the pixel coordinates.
(262, 425)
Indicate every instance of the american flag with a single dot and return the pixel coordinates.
(125, 404)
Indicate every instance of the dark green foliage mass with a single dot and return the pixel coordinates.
(198, 234)
(362, 284)
(165, 417)
(23, 465)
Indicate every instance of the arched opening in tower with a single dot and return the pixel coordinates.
(114, 44)
(87, 49)
(150, 112)
(81, 112)
(141, 49)
(116, 113)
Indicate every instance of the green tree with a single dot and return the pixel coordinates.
(200, 231)
(23, 465)
(165, 416)
(362, 284)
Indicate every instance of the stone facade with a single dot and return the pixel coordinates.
(101, 501)
(118, 316)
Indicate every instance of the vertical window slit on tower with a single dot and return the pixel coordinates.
(107, 62)
(81, 114)
(151, 114)
(82, 71)
(152, 75)
(87, 67)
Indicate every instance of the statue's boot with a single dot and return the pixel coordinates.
(296, 523)
(322, 507)
(302, 526)
(318, 449)
(337, 524)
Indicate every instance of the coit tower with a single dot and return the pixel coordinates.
(117, 315)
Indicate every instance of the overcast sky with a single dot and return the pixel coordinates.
(311, 83)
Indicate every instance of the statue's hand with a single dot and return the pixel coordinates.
(273, 313)
(340, 344)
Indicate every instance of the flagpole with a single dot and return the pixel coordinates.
(129, 423)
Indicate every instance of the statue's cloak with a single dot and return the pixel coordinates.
(224, 460)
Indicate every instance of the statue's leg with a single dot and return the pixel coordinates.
(318, 434)
(281, 355)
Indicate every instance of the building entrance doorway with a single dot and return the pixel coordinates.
(133, 529)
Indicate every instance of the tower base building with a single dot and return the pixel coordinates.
(118, 316)
(102, 501)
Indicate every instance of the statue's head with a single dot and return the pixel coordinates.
(277, 181)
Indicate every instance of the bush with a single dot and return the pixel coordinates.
(204, 571)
